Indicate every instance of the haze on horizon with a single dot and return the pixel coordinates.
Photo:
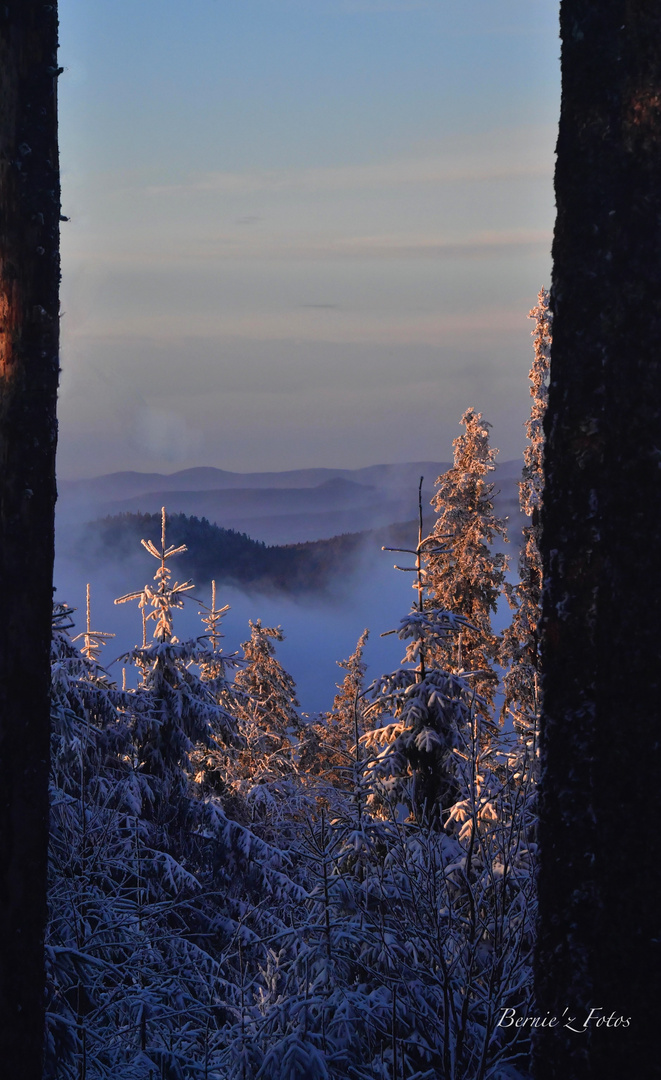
(303, 233)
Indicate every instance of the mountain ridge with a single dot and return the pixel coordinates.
(317, 504)
(207, 477)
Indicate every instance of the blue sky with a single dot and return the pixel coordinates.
(302, 233)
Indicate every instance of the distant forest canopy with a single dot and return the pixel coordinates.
(234, 558)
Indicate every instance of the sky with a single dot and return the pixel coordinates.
(303, 232)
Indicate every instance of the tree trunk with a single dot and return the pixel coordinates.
(600, 835)
(29, 331)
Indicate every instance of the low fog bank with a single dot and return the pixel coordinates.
(318, 631)
(320, 627)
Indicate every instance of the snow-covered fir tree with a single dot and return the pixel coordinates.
(210, 763)
(425, 710)
(180, 709)
(463, 573)
(266, 683)
(266, 708)
(414, 935)
(426, 717)
(331, 744)
(345, 722)
(520, 647)
(157, 898)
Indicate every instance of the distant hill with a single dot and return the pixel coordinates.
(283, 508)
(122, 485)
(229, 556)
(280, 508)
(230, 503)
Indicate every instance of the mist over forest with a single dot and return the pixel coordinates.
(323, 589)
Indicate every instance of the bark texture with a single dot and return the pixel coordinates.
(29, 330)
(600, 837)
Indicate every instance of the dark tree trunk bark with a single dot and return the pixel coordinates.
(29, 331)
(600, 833)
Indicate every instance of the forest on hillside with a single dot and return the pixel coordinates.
(223, 555)
(214, 553)
(241, 891)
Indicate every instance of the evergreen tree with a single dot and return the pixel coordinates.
(425, 711)
(165, 597)
(210, 763)
(426, 718)
(178, 709)
(463, 574)
(267, 713)
(157, 898)
(344, 721)
(331, 744)
(520, 654)
(264, 771)
(93, 640)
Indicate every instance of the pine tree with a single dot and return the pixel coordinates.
(179, 709)
(268, 713)
(142, 938)
(463, 574)
(216, 665)
(520, 654)
(210, 763)
(330, 745)
(165, 597)
(348, 709)
(93, 640)
(425, 719)
(425, 711)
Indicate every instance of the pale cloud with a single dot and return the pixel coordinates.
(390, 174)
(319, 324)
(162, 252)
(415, 246)
(222, 400)
(496, 154)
